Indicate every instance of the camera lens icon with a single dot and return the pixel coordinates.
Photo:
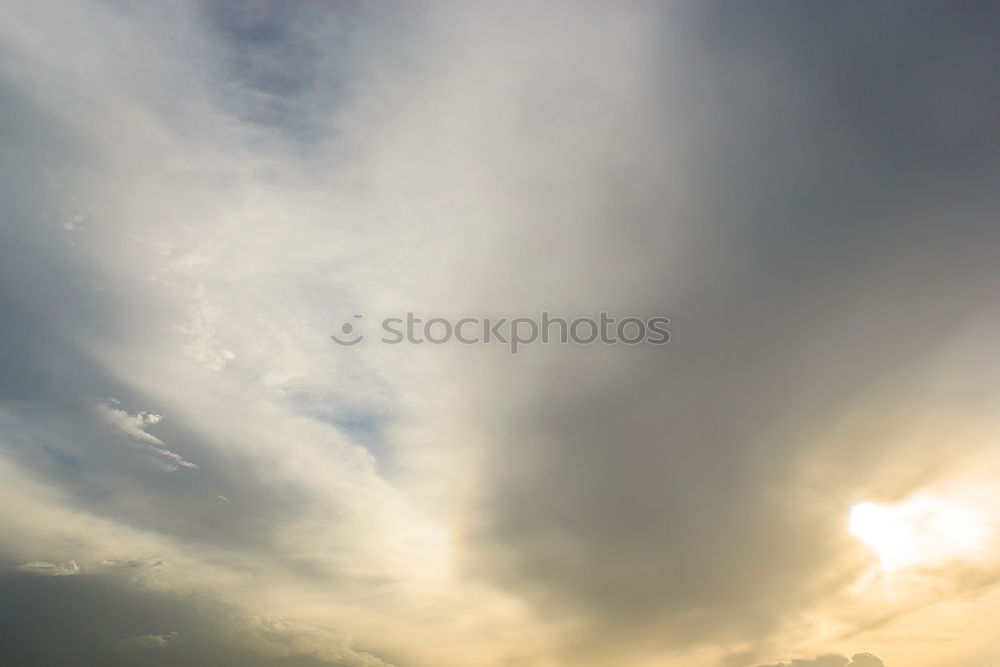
(348, 337)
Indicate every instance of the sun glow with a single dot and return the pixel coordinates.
(924, 531)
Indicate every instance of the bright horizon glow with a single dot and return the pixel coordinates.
(924, 531)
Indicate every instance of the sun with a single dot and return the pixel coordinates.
(923, 531)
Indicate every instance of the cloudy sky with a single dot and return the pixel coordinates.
(195, 195)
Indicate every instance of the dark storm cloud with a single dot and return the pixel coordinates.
(842, 227)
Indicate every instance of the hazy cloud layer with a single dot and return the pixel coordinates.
(195, 195)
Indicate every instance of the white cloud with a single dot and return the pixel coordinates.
(134, 426)
(67, 569)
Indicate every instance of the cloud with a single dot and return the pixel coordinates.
(50, 569)
(134, 426)
(148, 641)
(806, 192)
(670, 496)
(207, 632)
(859, 660)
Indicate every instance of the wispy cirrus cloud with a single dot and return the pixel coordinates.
(134, 426)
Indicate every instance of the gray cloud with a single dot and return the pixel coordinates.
(806, 192)
(859, 660)
(836, 210)
(148, 641)
(50, 623)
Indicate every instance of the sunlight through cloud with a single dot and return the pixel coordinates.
(924, 531)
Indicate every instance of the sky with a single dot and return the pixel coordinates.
(194, 196)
